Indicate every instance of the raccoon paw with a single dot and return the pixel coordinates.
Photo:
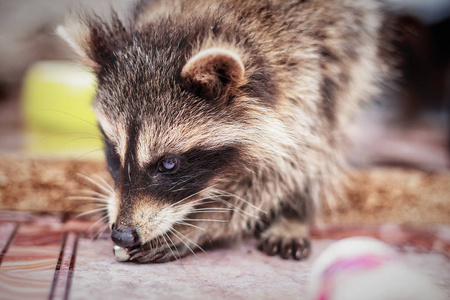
(286, 238)
(162, 254)
(297, 249)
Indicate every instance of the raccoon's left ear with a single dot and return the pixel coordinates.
(215, 71)
(77, 35)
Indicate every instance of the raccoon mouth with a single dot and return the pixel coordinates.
(170, 244)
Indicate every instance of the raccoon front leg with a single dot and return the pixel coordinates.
(286, 237)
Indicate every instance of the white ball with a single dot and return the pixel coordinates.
(365, 268)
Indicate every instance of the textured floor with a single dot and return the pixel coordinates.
(47, 257)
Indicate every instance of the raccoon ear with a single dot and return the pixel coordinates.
(215, 71)
(77, 35)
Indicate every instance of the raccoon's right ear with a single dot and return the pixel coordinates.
(215, 72)
(77, 34)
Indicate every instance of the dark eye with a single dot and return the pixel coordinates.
(169, 165)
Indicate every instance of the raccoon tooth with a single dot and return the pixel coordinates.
(120, 254)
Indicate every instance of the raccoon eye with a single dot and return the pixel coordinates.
(168, 165)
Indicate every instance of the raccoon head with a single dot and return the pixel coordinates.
(179, 120)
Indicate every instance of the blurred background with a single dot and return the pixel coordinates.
(44, 98)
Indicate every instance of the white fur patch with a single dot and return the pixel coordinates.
(76, 34)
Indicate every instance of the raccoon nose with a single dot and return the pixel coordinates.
(125, 238)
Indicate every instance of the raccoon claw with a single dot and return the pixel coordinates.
(157, 257)
(287, 238)
(269, 247)
(163, 257)
(297, 249)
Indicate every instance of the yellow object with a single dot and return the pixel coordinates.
(57, 99)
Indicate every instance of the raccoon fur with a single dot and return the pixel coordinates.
(222, 118)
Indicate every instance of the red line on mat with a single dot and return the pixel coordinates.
(10, 240)
(58, 267)
(71, 269)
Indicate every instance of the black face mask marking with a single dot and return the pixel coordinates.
(112, 157)
(174, 177)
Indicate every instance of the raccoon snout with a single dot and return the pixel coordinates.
(125, 238)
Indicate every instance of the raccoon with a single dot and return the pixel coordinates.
(223, 118)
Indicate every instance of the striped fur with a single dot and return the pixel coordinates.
(258, 141)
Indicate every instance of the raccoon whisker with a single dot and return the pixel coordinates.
(97, 222)
(93, 193)
(202, 199)
(217, 198)
(156, 184)
(191, 208)
(170, 230)
(190, 196)
(70, 115)
(205, 202)
(206, 220)
(165, 235)
(190, 203)
(105, 183)
(147, 187)
(211, 209)
(178, 184)
(153, 244)
(95, 183)
(86, 153)
(236, 208)
(170, 247)
(188, 224)
(64, 134)
(158, 244)
(161, 243)
(79, 139)
(205, 210)
(93, 211)
(192, 242)
(100, 231)
(84, 203)
(243, 200)
(82, 198)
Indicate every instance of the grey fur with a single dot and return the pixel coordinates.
(308, 65)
